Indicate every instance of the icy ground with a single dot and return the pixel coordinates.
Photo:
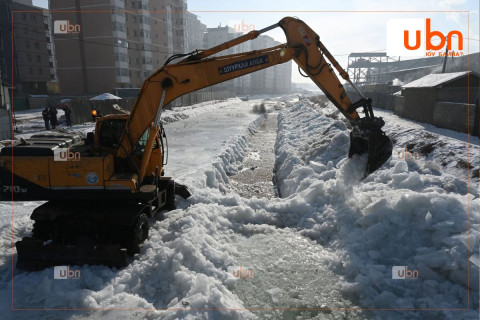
(329, 242)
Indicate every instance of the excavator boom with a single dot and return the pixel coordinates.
(199, 70)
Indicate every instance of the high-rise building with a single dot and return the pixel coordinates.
(194, 33)
(276, 79)
(31, 69)
(216, 36)
(103, 50)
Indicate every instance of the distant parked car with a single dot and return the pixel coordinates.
(244, 98)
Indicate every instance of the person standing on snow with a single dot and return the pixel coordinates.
(68, 114)
(46, 118)
(53, 116)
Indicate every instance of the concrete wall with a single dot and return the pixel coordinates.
(455, 116)
(37, 102)
(399, 106)
(5, 124)
(462, 94)
(419, 104)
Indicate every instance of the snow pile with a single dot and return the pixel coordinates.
(404, 214)
(408, 213)
(183, 265)
(454, 152)
(229, 162)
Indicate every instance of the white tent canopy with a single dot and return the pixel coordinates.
(106, 96)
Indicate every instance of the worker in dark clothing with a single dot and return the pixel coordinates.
(68, 114)
(53, 116)
(46, 118)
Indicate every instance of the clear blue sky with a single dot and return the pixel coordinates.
(341, 32)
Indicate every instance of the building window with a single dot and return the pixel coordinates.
(37, 45)
(29, 57)
(24, 16)
(134, 33)
(30, 70)
(138, 74)
(38, 58)
(133, 4)
(40, 71)
(134, 19)
(137, 61)
(27, 43)
(33, 18)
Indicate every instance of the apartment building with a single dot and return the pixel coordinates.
(31, 69)
(194, 33)
(216, 36)
(276, 79)
(103, 50)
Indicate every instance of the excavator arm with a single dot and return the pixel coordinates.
(199, 70)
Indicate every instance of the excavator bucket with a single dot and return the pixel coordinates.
(369, 138)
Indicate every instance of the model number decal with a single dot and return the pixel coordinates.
(15, 189)
(243, 64)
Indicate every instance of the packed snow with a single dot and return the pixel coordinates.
(329, 241)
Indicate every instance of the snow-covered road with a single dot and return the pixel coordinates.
(329, 242)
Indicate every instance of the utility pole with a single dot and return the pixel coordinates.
(446, 55)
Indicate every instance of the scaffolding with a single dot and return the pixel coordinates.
(369, 67)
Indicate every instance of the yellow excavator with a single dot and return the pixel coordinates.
(100, 190)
